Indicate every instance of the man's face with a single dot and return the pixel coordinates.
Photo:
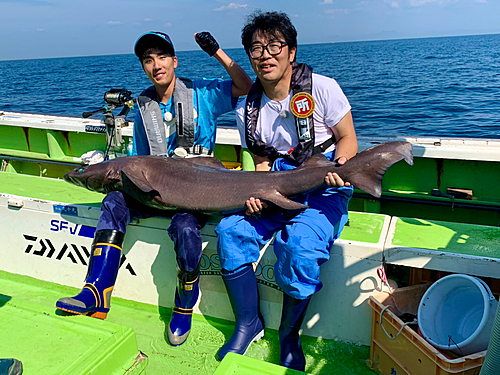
(159, 67)
(272, 69)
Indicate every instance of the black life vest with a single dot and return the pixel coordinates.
(301, 82)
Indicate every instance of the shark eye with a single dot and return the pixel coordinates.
(80, 170)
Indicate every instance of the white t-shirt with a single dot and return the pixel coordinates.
(281, 133)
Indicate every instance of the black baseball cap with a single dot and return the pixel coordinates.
(153, 39)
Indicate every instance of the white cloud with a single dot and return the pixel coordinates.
(114, 23)
(395, 4)
(148, 19)
(482, 1)
(40, 29)
(168, 24)
(231, 6)
(327, 2)
(334, 11)
(417, 3)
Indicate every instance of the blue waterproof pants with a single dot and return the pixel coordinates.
(118, 210)
(302, 244)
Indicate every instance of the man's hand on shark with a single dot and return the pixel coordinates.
(333, 179)
(254, 207)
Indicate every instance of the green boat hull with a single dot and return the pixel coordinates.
(410, 227)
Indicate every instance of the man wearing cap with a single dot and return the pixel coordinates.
(176, 118)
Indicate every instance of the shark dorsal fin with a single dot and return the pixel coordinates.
(318, 160)
(205, 160)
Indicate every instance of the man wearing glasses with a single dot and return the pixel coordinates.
(290, 114)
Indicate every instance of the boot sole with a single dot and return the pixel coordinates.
(257, 337)
(92, 314)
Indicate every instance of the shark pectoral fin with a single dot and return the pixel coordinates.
(159, 199)
(274, 197)
(139, 180)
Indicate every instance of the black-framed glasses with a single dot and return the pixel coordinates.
(273, 48)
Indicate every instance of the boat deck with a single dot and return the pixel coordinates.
(48, 342)
(408, 227)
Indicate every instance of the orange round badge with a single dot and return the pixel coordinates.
(302, 105)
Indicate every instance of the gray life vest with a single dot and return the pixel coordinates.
(301, 82)
(152, 119)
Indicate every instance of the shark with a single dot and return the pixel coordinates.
(203, 184)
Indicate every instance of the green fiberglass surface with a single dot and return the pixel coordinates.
(363, 227)
(29, 303)
(49, 344)
(48, 144)
(49, 189)
(235, 364)
(458, 238)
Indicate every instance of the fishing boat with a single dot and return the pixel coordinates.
(439, 216)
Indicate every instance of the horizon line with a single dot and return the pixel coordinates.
(235, 48)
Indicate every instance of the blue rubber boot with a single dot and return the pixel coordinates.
(10, 366)
(186, 296)
(94, 299)
(242, 290)
(292, 316)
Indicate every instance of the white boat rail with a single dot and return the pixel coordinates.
(427, 147)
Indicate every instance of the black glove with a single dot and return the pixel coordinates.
(207, 42)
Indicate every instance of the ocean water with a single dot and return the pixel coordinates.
(441, 87)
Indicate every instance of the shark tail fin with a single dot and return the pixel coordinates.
(366, 170)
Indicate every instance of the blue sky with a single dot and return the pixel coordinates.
(61, 28)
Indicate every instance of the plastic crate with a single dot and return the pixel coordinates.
(410, 353)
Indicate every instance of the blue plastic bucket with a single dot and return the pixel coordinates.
(457, 313)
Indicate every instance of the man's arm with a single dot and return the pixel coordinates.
(241, 81)
(347, 142)
(347, 147)
(262, 163)
(255, 206)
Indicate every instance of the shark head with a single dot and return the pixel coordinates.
(100, 177)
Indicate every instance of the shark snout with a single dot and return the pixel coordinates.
(74, 179)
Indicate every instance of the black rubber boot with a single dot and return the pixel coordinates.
(292, 316)
(242, 290)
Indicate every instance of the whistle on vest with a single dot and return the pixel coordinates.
(180, 152)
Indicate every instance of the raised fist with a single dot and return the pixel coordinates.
(207, 42)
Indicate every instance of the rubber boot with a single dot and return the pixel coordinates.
(94, 299)
(10, 366)
(186, 296)
(242, 290)
(292, 316)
